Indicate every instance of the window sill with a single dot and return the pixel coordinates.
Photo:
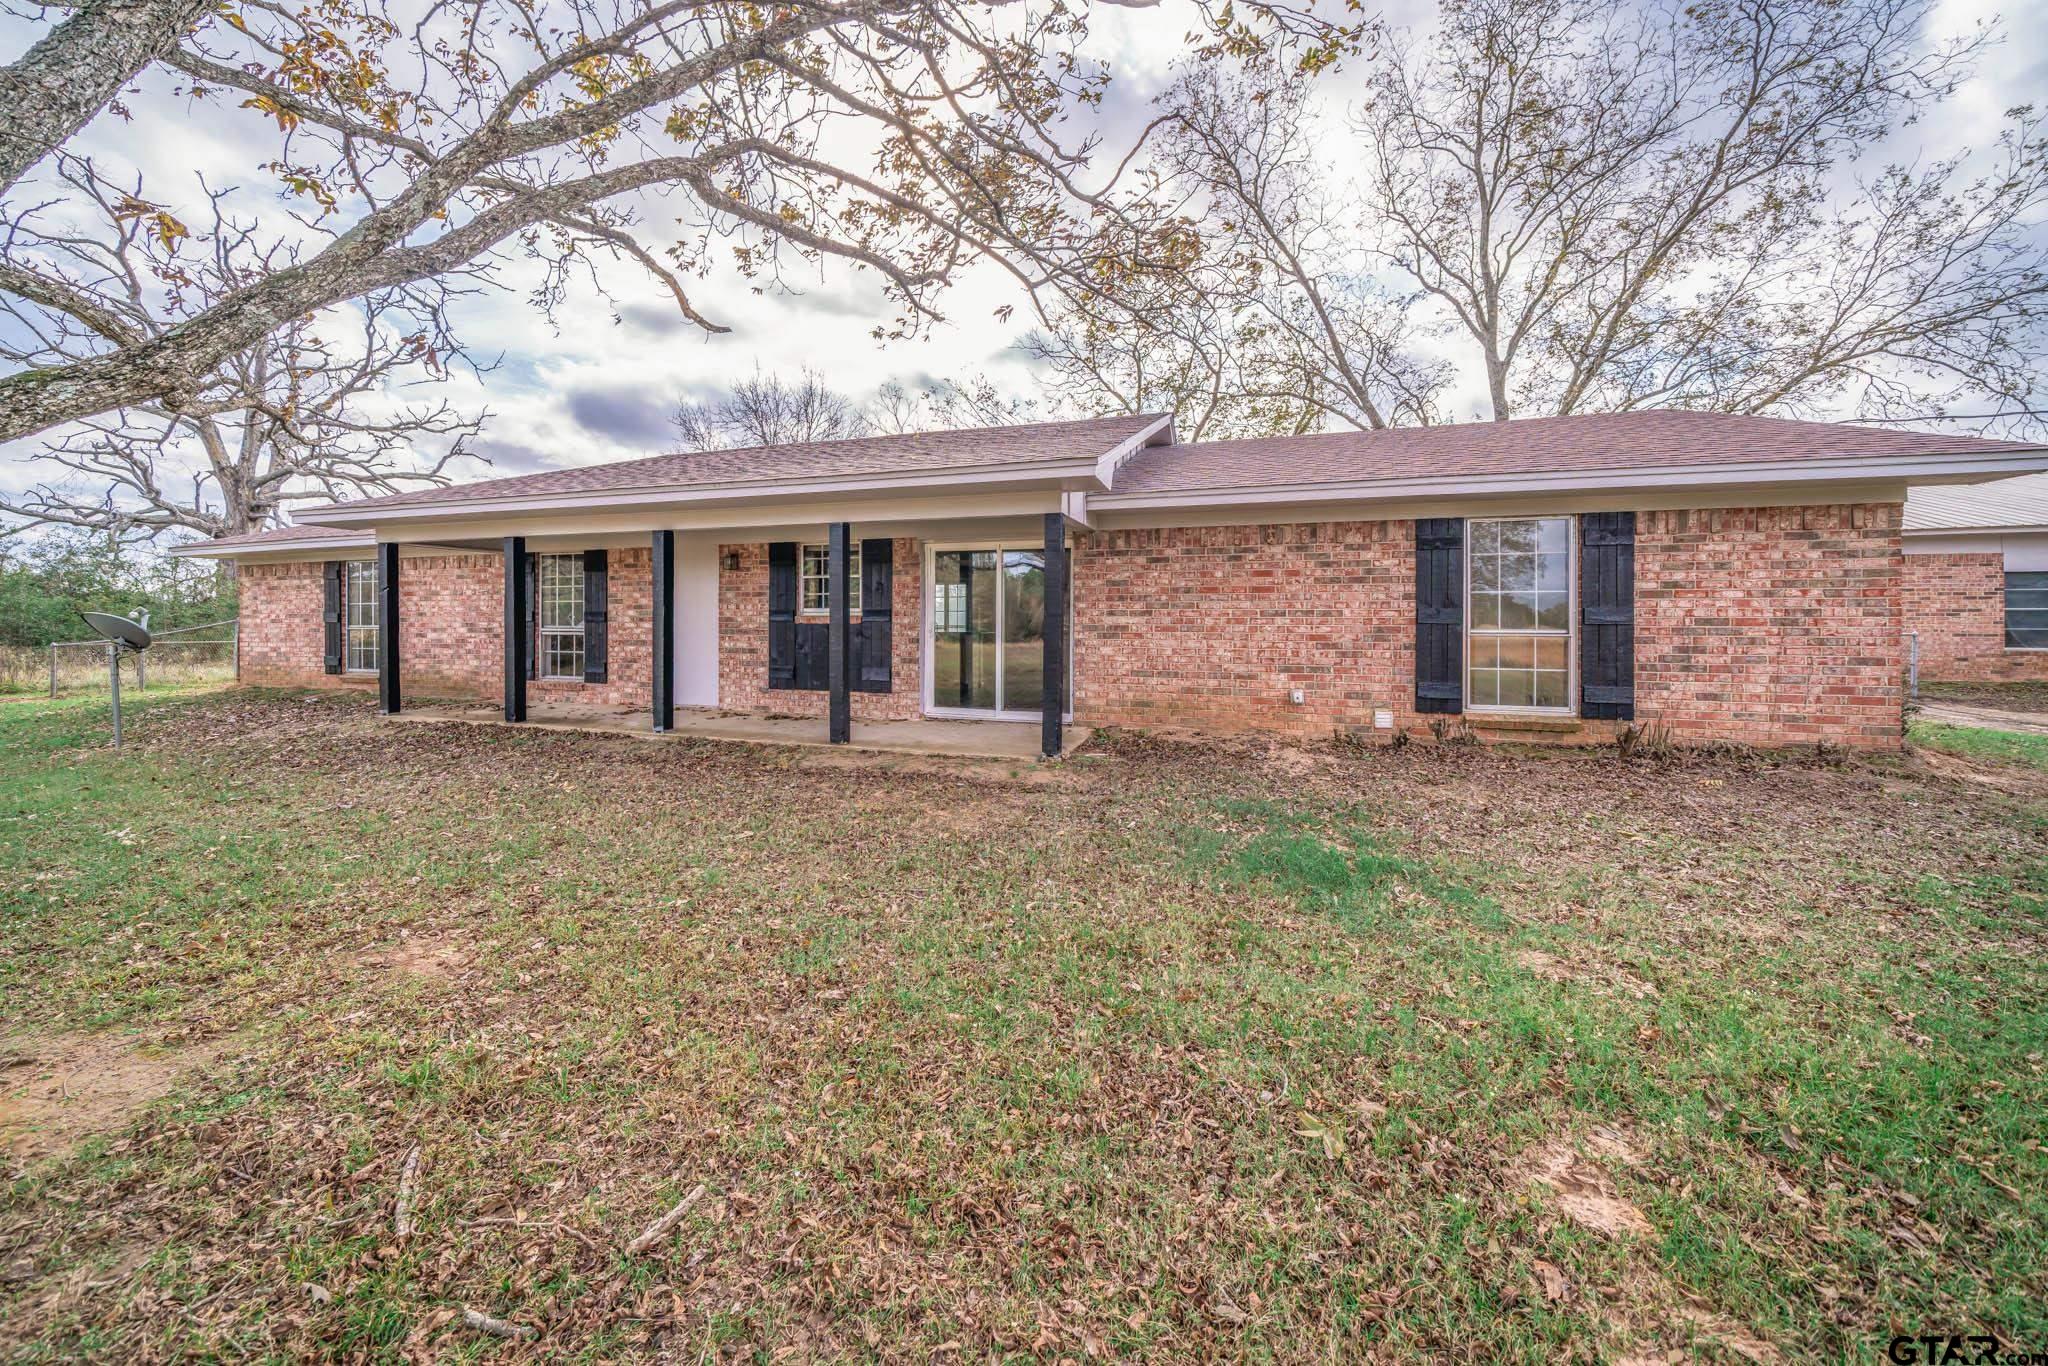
(1559, 724)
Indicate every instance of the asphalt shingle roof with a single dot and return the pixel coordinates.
(971, 449)
(1653, 439)
(2021, 502)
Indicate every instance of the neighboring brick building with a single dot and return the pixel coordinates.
(1976, 580)
(1720, 578)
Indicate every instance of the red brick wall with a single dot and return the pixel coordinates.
(283, 640)
(1771, 626)
(743, 641)
(450, 612)
(1767, 626)
(1213, 627)
(1957, 604)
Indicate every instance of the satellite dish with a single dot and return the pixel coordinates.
(121, 634)
(122, 631)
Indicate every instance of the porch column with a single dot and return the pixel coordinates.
(387, 628)
(664, 631)
(839, 654)
(515, 628)
(1054, 690)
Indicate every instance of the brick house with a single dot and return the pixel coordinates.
(1976, 580)
(1724, 578)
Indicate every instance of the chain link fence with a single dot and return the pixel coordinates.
(190, 656)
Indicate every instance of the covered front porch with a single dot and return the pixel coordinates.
(928, 626)
(935, 736)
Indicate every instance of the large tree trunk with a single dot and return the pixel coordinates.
(69, 76)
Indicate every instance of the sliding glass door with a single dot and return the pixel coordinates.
(987, 607)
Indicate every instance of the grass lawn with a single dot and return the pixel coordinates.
(1167, 1051)
(1980, 742)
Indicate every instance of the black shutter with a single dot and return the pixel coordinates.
(1607, 616)
(872, 637)
(332, 605)
(782, 614)
(1439, 614)
(596, 614)
(813, 656)
(533, 616)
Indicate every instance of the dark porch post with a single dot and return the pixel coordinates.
(1054, 690)
(839, 654)
(515, 628)
(387, 628)
(664, 630)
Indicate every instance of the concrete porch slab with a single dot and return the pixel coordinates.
(1012, 740)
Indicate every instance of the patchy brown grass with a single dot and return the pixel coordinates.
(1174, 1050)
(58, 1088)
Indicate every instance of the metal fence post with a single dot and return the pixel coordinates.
(114, 686)
(53, 673)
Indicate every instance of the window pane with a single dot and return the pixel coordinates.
(561, 654)
(2026, 638)
(561, 592)
(1518, 537)
(2026, 599)
(360, 616)
(817, 578)
(1518, 638)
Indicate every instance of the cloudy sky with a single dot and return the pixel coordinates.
(598, 383)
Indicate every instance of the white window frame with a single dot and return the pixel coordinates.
(822, 579)
(574, 565)
(1570, 633)
(927, 602)
(363, 574)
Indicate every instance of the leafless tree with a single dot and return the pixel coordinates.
(768, 410)
(1278, 324)
(306, 412)
(930, 405)
(903, 137)
(1660, 206)
(1586, 206)
(75, 69)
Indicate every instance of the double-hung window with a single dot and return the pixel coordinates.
(359, 584)
(559, 581)
(816, 573)
(1519, 614)
(2026, 610)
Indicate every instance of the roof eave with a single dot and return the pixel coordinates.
(1079, 473)
(1961, 468)
(216, 550)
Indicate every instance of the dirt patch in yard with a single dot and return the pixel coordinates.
(1555, 969)
(58, 1089)
(1581, 1190)
(433, 959)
